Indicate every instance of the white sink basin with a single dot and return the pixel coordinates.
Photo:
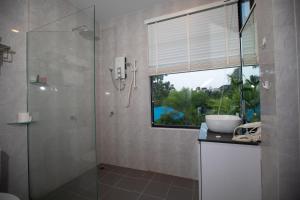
(222, 123)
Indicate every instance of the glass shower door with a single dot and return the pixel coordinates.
(61, 100)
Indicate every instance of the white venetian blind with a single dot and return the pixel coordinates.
(203, 40)
(168, 44)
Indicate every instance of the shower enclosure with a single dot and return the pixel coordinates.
(61, 100)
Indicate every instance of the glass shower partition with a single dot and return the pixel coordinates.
(61, 100)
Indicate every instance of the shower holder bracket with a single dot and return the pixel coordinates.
(6, 54)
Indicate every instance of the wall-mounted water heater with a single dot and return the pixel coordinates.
(120, 68)
(118, 72)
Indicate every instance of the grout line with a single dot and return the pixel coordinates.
(134, 177)
(168, 191)
(98, 178)
(78, 194)
(113, 185)
(143, 191)
(119, 188)
(153, 196)
(119, 181)
(183, 188)
(52, 196)
(149, 181)
(123, 176)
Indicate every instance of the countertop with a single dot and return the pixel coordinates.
(221, 138)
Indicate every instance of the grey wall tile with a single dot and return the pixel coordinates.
(13, 139)
(280, 104)
(64, 132)
(13, 91)
(126, 138)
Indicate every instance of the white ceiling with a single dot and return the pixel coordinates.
(106, 9)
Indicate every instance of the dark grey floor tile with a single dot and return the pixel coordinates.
(196, 191)
(102, 173)
(47, 196)
(157, 189)
(85, 181)
(148, 175)
(180, 194)
(90, 172)
(106, 167)
(196, 195)
(90, 177)
(90, 193)
(84, 185)
(110, 179)
(63, 195)
(120, 170)
(134, 173)
(196, 184)
(184, 182)
(132, 184)
(117, 194)
(162, 178)
(147, 197)
(104, 190)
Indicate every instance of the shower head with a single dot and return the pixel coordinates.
(85, 32)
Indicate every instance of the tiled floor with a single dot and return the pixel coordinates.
(83, 187)
(119, 183)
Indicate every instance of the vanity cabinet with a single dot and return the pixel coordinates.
(229, 171)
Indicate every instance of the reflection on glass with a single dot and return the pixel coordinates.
(249, 44)
(183, 100)
(245, 11)
(61, 142)
(251, 93)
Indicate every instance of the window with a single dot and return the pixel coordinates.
(194, 65)
(182, 100)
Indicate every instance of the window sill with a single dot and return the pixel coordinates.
(159, 128)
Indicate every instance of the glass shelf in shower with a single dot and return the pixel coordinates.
(20, 123)
(38, 83)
